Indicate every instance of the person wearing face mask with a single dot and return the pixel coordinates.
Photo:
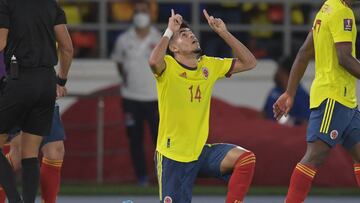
(138, 88)
(298, 115)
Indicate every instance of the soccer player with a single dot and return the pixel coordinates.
(53, 151)
(334, 115)
(184, 83)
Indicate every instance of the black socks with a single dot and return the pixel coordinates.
(7, 180)
(30, 178)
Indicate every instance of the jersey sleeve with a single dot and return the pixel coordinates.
(118, 53)
(341, 24)
(4, 14)
(222, 66)
(60, 16)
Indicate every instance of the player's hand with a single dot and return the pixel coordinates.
(60, 91)
(175, 21)
(282, 106)
(216, 24)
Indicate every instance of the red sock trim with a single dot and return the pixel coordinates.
(241, 178)
(357, 173)
(50, 178)
(300, 183)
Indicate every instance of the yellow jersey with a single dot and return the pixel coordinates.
(335, 22)
(184, 96)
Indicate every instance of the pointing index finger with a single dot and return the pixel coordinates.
(172, 12)
(206, 14)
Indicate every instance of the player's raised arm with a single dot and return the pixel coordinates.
(156, 60)
(245, 59)
(283, 105)
(346, 59)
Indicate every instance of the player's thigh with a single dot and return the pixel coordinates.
(217, 160)
(175, 179)
(15, 151)
(316, 153)
(355, 153)
(352, 137)
(30, 145)
(328, 123)
(52, 146)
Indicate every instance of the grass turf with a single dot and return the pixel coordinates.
(109, 189)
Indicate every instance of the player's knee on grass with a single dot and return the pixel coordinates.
(54, 150)
(229, 162)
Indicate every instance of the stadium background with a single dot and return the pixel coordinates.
(97, 149)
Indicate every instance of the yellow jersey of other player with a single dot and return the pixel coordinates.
(184, 95)
(334, 23)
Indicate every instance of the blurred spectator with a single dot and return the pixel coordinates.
(138, 88)
(300, 112)
(124, 11)
(72, 12)
(85, 44)
(297, 16)
(80, 12)
(264, 43)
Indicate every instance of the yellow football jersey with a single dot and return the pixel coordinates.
(335, 22)
(184, 104)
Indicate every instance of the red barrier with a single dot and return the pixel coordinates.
(277, 148)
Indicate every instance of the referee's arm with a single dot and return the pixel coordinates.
(3, 38)
(65, 49)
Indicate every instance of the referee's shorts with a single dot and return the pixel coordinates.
(28, 102)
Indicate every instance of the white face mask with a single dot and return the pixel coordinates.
(141, 20)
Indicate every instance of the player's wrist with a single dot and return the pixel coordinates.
(290, 93)
(61, 81)
(168, 33)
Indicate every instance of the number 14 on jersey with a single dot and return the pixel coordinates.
(197, 95)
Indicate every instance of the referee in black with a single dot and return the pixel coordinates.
(29, 30)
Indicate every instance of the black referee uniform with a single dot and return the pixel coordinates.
(28, 97)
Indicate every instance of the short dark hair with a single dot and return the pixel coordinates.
(285, 63)
(184, 24)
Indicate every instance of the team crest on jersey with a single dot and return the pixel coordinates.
(167, 199)
(205, 72)
(183, 75)
(334, 134)
(348, 23)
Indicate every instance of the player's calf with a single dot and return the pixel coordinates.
(243, 171)
(50, 171)
(305, 171)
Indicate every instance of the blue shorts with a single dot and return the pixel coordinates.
(334, 123)
(57, 132)
(176, 179)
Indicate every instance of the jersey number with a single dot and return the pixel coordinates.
(197, 93)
